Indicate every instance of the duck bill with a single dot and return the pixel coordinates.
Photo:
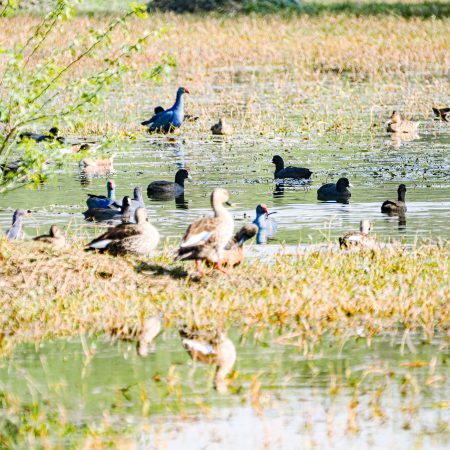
(270, 213)
(189, 178)
(351, 185)
(186, 90)
(233, 205)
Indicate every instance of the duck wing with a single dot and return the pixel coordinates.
(120, 232)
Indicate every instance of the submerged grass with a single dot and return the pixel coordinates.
(299, 299)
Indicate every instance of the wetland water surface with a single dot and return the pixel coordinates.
(375, 163)
(350, 397)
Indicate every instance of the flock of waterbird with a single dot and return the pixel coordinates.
(208, 239)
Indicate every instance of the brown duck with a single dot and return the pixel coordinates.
(399, 125)
(360, 238)
(206, 238)
(139, 238)
(395, 206)
(222, 128)
(55, 237)
(234, 251)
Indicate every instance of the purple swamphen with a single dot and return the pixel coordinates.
(166, 121)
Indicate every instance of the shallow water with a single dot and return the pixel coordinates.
(354, 396)
(375, 163)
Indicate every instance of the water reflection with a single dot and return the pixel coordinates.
(181, 202)
(397, 139)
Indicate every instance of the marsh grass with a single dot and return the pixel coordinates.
(362, 65)
(299, 299)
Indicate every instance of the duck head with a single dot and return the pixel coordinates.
(54, 131)
(140, 215)
(55, 231)
(261, 209)
(219, 196)
(396, 117)
(365, 226)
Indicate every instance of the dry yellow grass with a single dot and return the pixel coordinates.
(48, 294)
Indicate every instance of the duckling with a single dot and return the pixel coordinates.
(213, 348)
(15, 232)
(359, 238)
(206, 238)
(222, 128)
(55, 238)
(335, 191)
(396, 206)
(289, 172)
(140, 238)
(399, 125)
(234, 250)
(168, 189)
(442, 113)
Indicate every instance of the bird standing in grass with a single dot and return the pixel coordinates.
(139, 238)
(55, 238)
(206, 238)
(360, 238)
(234, 250)
(168, 120)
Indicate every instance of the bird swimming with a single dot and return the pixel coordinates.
(335, 191)
(289, 172)
(100, 201)
(169, 189)
(396, 206)
(399, 125)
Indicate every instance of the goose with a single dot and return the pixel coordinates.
(139, 238)
(213, 348)
(168, 120)
(399, 125)
(206, 238)
(289, 172)
(396, 206)
(55, 237)
(360, 238)
(335, 191)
